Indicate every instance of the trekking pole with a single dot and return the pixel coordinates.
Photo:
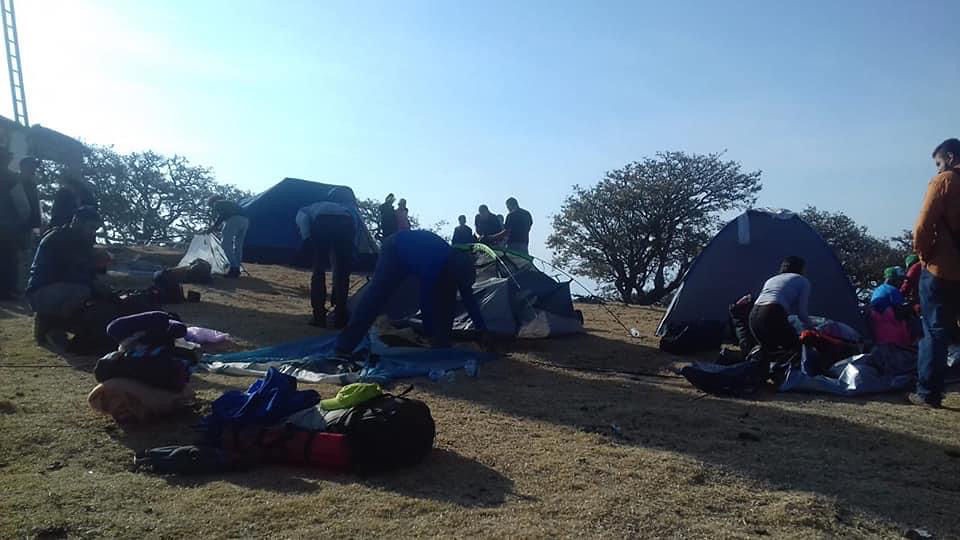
(632, 331)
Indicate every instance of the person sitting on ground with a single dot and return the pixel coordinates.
(463, 234)
(388, 218)
(73, 194)
(230, 216)
(328, 230)
(890, 318)
(516, 229)
(910, 284)
(441, 270)
(787, 293)
(486, 224)
(63, 276)
(403, 216)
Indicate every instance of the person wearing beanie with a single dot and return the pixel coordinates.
(441, 271)
(912, 280)
(887, 294)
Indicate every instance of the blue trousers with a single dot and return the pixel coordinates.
(388, 276)
(939, 306)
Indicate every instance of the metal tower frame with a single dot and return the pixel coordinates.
(13, 63)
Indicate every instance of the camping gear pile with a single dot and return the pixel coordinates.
(515, 298)
(146, 377)
(362, 429)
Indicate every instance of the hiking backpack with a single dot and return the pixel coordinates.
(386, 433)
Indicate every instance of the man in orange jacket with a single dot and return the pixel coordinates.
(935, 239)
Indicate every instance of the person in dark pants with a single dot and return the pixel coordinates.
(328, 230)
(442, 272)
(787, 293)
(935, 239)
(388, 218)
(463, 234)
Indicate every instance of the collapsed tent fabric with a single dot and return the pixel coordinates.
(742, 256)
(206, 247)
(515, 298)
(273, 237)
(308, 360)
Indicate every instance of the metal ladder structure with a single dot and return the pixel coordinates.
(13, 63)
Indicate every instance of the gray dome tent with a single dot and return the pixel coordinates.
(744, 254)
(515, 298)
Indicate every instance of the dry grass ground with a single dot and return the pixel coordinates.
(527, 449)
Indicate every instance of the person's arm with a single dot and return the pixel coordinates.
(303, 224)
(803, 304)
(931, 213)
(470, 303)
(35, 218)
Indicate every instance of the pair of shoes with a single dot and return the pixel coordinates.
(920, 401)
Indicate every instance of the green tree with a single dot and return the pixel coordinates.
(862, 255)
(145, 197)
(639, 229)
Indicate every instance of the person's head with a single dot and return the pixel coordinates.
(793, 265)
(512, 204)
(390, 198)
(462, 220)
(947, 155)
(87, 221)
(893, 276)
(214, 199)
(28, 166)
(911, 260)
(483, 210)
(402, 204)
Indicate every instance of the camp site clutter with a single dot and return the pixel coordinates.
(431, 309)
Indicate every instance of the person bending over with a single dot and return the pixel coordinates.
(785, 294)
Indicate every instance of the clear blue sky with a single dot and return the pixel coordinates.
(454, 103)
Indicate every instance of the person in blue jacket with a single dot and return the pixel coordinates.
(442, 272)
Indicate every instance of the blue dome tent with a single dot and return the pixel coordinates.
(273, 237)
(744, 254)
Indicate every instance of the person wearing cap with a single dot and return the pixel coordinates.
(887, 294)
(911, 281)
(233, 222)
(328, 230)
(63, 275)
(441, 270)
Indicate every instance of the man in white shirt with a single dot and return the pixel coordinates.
(328, 230)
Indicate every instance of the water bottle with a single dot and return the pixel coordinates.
(470, 368)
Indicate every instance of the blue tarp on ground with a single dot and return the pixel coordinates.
(308, 361)
(886, 368)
